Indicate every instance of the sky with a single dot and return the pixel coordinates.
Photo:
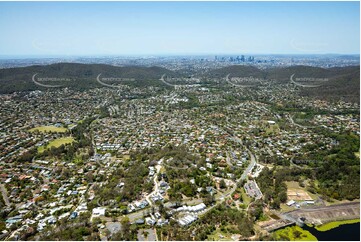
(178, 28)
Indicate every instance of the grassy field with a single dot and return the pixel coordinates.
(335, 224)
(56, 143)
(294, 233)
(285, 208)
(246, 199)
(292, 184)
(51, 129)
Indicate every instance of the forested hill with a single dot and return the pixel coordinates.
(83, 75)
(284, 73)
(343, 82)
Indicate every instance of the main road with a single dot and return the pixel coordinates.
(249, 168)
(244, 174)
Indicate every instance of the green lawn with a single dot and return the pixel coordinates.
(56, 143)
(294, 233)
(335, 224)
(52, 129)
(246, 199)
(292, 184)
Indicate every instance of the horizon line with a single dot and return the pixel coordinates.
(171, 55)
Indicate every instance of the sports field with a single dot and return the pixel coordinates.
(51, 129)
(56, 143)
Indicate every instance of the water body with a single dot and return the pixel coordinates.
(345, 232)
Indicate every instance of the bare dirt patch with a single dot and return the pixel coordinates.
(298, 194)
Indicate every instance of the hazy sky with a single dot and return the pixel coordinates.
(151, 28)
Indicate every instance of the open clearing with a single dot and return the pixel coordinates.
(297, 193)
(51, 129)
(56, 143)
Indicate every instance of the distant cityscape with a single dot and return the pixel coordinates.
(193, 62)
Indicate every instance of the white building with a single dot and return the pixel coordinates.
(100, 211)
(187, 220)
(290, 203)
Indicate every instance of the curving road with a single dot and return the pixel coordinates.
(157, 167)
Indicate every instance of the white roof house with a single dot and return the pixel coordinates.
(100, 211)
(290, 203)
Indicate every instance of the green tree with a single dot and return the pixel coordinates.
(222, 184)
(283, 197)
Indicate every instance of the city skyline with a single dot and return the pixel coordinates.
(178, 28)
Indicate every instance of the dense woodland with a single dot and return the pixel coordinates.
(344, 82)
